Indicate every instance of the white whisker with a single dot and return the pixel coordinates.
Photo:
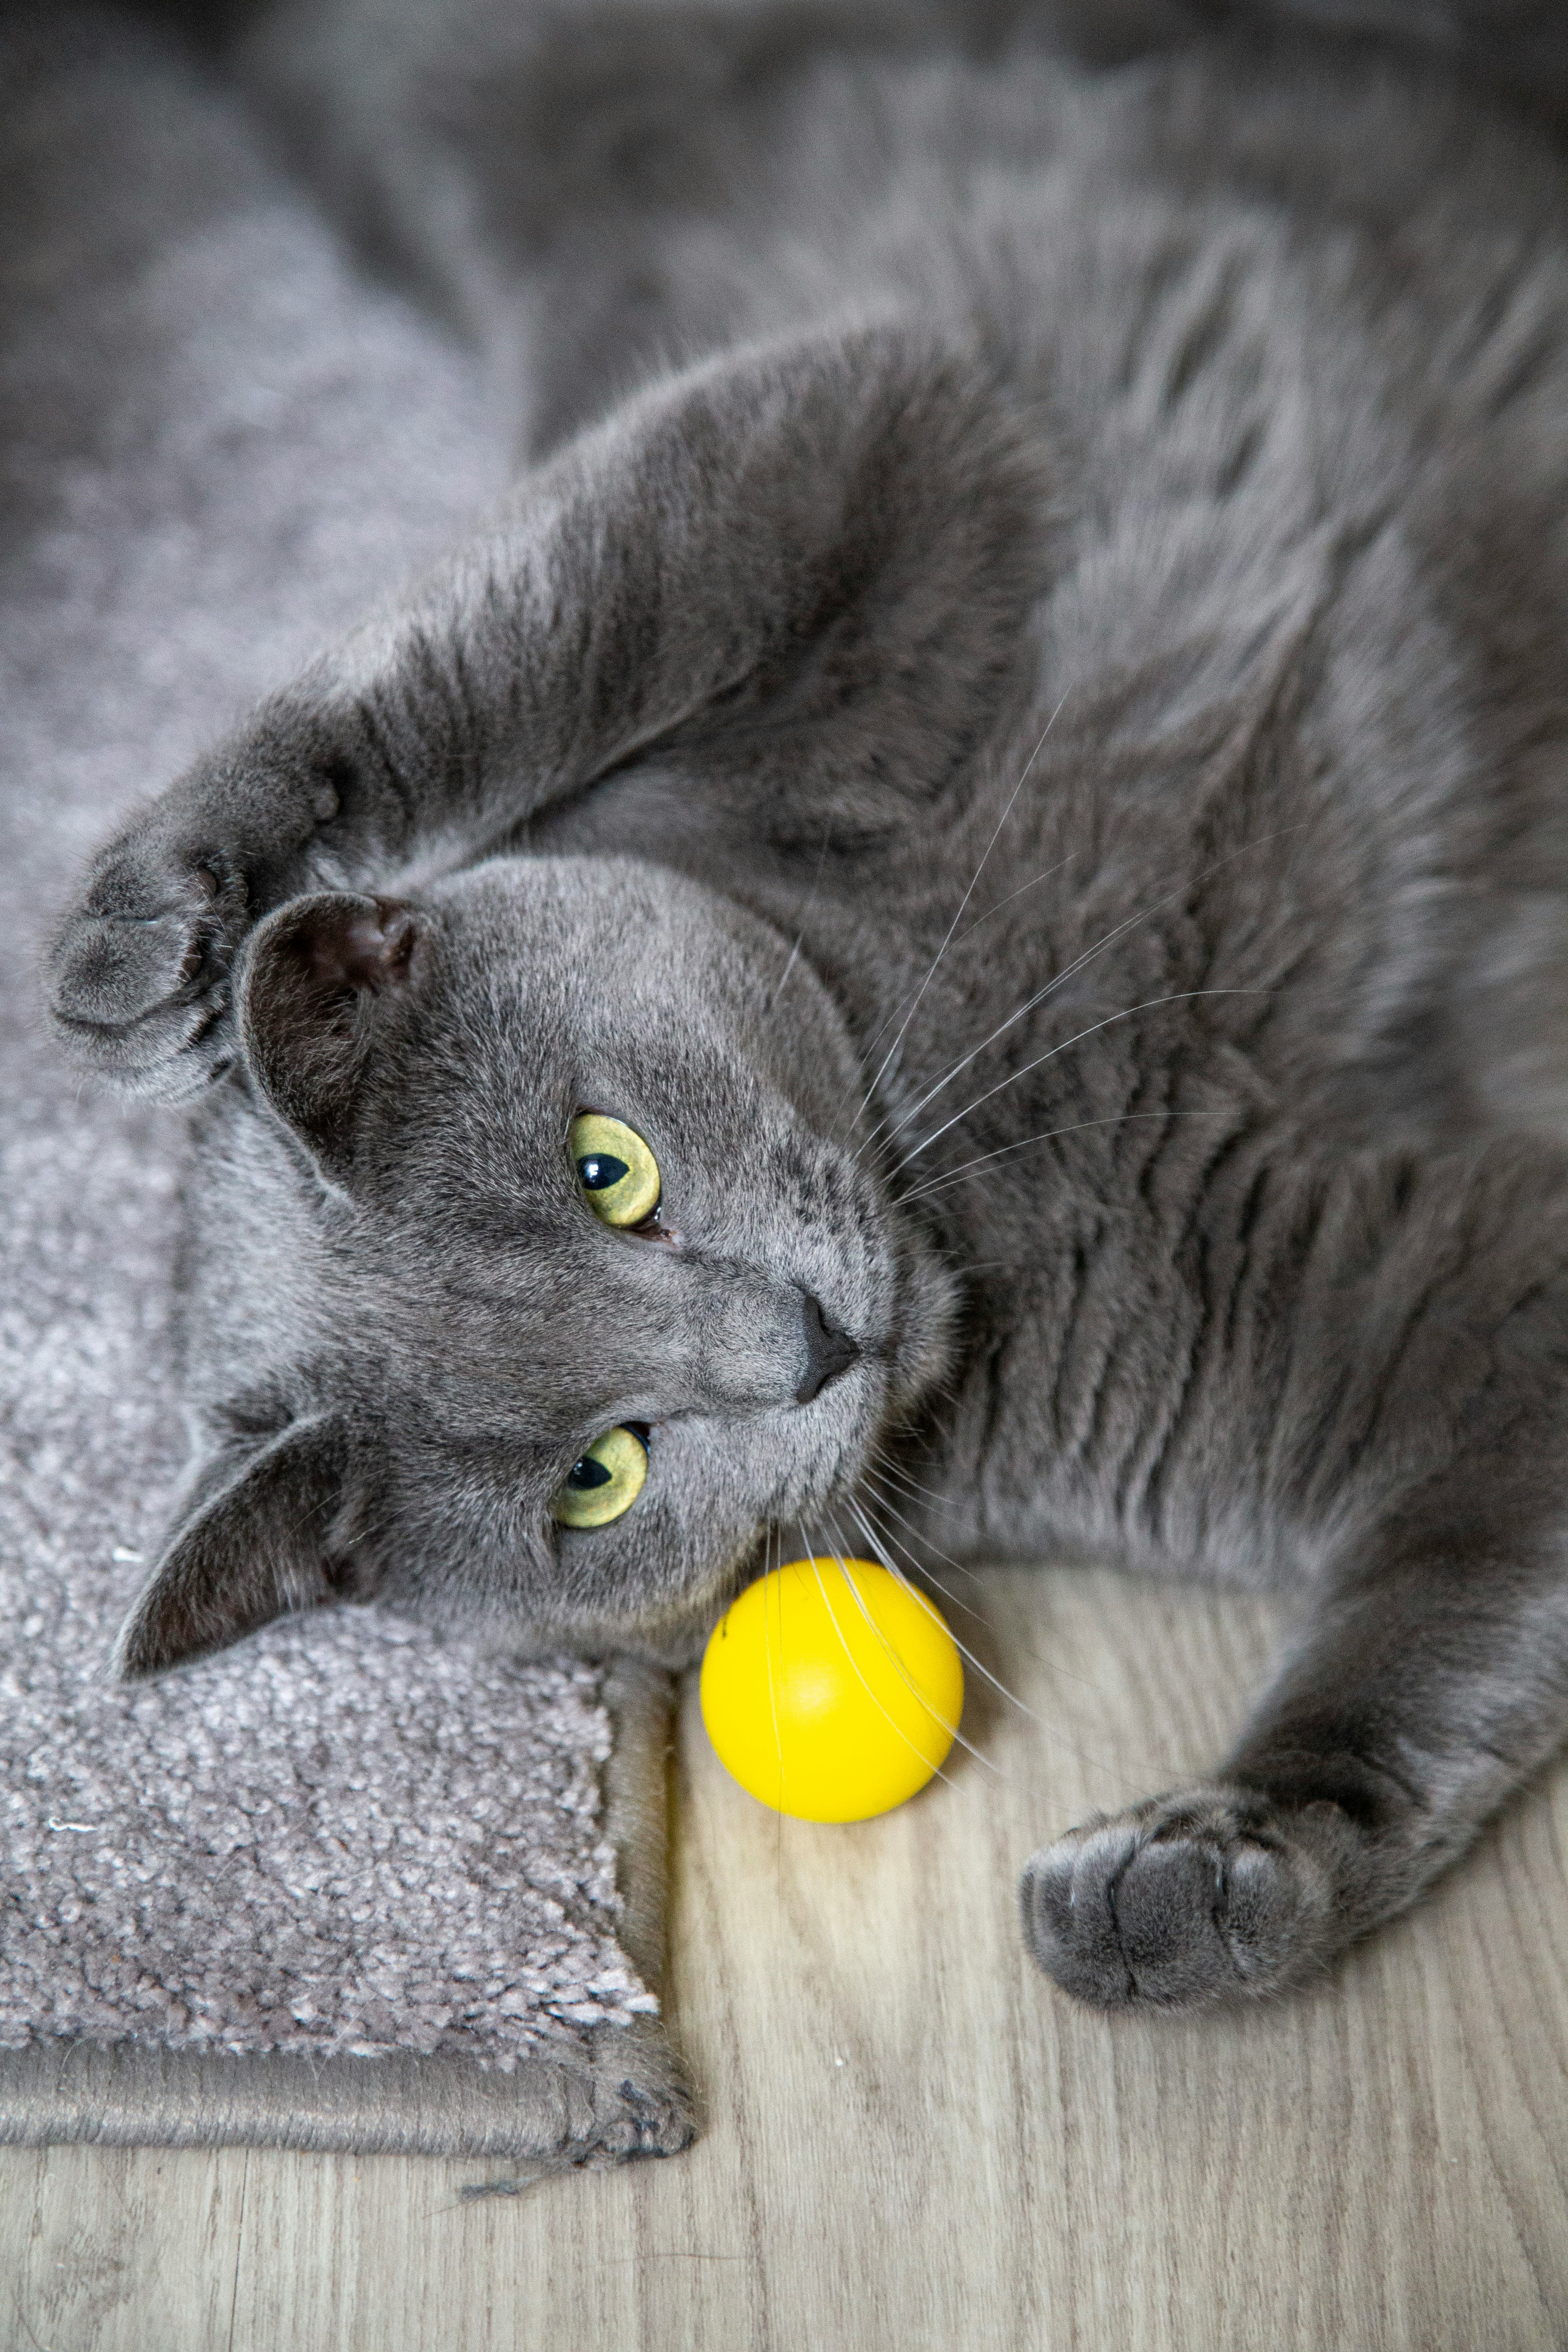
(905, 1675)
(891, 1015)
(804, 918)
(894, 1570)
(1088, 956)
(849, 1653)
(879, 1536)
(1048, 1135)
(1032, 884)
(904, 1477)
(768, 1656)
(1151, 1004)
(1060, 1738)
(974, 878)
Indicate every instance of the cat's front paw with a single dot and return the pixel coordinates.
(138, 970)
(1214, 1895)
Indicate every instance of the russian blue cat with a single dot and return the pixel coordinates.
(950, 935)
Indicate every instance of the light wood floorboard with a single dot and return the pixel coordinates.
(911, 2139)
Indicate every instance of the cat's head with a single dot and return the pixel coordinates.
(458, 1357)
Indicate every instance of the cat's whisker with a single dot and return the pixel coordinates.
(970, 932)
(972, 1167)
(886, 1023)
(1032, 884)
(890, 1131)
(891, 1542)
(1030, 1004)
(768, 1654)
(913, 1494)
(869, 1529)
(1050, 1664)
(885, 1503)
(896, 1471)
(838, 1554)
(1085, 1682)
(1053, 1732)
(921, 1569)
(804, 918)
(1077, 965)
(1024, 774)
(1151, 1004)
(773, 1558)
(888, 1018)
(870, 1047)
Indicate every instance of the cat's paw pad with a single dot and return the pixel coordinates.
(139, 975)
(1186, 1901)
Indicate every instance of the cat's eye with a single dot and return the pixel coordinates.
(604, 1483)
(615, 1167)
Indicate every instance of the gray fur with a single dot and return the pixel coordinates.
(1135, 496)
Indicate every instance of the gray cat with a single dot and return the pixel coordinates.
(950, 935)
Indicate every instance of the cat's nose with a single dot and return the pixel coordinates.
(827, 1352)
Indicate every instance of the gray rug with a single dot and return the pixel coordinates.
(346, 1887)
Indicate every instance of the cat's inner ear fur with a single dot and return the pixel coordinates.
(256, 1548)
(311, 1001)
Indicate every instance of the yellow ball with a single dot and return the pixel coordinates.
(832, 1692)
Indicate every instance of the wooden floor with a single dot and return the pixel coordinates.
(911, 2139)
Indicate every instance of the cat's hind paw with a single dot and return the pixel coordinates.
(139, 975)
(1211, 1896)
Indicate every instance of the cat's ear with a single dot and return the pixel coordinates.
(318, 976)
(253, 1550)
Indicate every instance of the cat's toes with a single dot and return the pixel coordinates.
(137, 975)
(1189, 1900)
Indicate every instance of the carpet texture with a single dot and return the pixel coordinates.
(346, 1886)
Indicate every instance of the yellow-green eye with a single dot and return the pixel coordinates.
(605, 1483)
(615, 1168)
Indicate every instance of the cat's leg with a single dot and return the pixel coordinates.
(1414, 1429)
(1427, 1689)
(748, 572)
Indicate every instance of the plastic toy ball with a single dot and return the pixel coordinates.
(832, 1691)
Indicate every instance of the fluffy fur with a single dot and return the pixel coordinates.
(1013, 725)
